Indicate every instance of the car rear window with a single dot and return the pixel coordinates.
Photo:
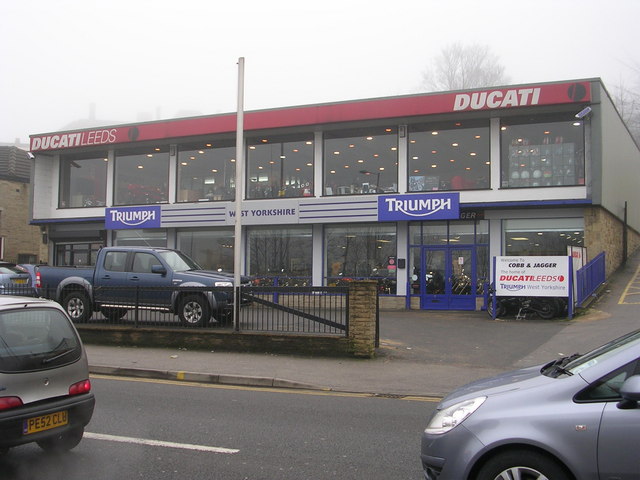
(11, 269)
(36, 338)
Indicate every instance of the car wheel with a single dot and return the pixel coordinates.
(78, 306)
(523, 465)
(194, 311)
(62, 442)
(113, 313)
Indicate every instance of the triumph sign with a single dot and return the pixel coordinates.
(422, 206)
(132, 217)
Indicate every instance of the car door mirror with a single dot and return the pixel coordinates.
(158, 269)
(630, 392)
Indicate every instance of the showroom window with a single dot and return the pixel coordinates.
(363, 161)
(280, 256)
(140, 238)
(77, 254)
(541, 237)
(449, 156)
(364, 251)
(542, 152)
(141, 176)
(211, 249)
(83, 180)
(206, 171)
(280, 166)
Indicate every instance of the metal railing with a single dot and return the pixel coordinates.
(589, 278)
(313, 310)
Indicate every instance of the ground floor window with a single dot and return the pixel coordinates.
(280, 255)
(543, 236)
(140, 238)
(364, 251)
(211, 249)
(77, 254)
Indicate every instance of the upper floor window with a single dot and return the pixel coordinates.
(206, 171)
(280, 166)
(449, 156)
(141, 176)
(83, 180)
(539, 153)
(361, 161)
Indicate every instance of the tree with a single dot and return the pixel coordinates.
(627, 102)
(459, 67)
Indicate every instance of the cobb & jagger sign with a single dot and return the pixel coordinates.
(532, 276)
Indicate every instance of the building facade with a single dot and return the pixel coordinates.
(418, 192)
(20, 242)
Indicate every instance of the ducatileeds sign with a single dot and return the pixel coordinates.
(532, 276)
(441, 206)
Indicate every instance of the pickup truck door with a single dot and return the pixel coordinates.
(111, 282)
(141, 275)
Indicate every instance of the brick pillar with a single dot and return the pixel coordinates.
(362, 317)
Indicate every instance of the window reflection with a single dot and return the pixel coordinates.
(206, 171)
(542, 237)
(83, 180)
(141, 176)
(451, 156)
(280, 167)
(537, 153)
(362, 161)
(212, 249)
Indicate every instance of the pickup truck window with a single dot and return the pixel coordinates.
(115, 261)
(178, 261)
(142, 262)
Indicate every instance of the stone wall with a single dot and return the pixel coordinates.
(20, 237)
(603, 233)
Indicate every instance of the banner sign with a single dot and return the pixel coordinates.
(419, 206)
(118, 218)
(392, 107)
(532, 276)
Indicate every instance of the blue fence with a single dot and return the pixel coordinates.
(589, 278)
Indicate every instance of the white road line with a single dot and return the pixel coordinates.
(158, 443)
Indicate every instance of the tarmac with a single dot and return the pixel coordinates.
(422, 353)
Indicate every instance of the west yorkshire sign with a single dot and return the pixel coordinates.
(420, 206)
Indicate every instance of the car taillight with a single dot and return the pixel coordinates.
(81, 387)
(38, 280)
(9, 402)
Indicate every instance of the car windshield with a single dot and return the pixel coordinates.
(596, 356)
(178, 261)
(35, 338)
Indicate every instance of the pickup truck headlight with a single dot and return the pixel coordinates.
(224, 284)
(450, 417)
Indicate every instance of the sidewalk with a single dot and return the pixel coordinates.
(422, 353)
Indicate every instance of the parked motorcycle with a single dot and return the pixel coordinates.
(545, 308)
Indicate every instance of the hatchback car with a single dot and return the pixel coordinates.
(15, 280)
(45, 391)
(575, 418)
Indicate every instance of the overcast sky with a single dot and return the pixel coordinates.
(139, 60)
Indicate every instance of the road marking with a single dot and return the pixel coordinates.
(289, 391)
(158, 443)
(634, 284)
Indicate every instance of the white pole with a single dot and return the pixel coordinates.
(237, 239)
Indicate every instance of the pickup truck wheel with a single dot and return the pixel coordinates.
(78, 306)
(194, 311)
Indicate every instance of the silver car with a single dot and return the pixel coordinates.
(45, 391)
(575, 418)
(15, 280)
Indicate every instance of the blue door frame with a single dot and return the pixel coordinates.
(449, 281)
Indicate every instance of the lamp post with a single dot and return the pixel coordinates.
(367, 172)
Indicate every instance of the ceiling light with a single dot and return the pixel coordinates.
(473, 154)
(454, 144)
(434, 151)
(149, 155)
(140, 166)
(200, 152)
(309, 142)
(434, 165)
(264, 140)
(332, 171)
(184, 164)
(434, 133)
(336, 153)
(252, 147)
(208, 145)
(369, 138)
(415, 158)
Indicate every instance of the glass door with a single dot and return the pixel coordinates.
(448, 282)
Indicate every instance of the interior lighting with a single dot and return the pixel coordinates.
(208, 145)
(452, 160)
(215, 170)
(577, 124)
(184, 164)
(381, 169)
(201, 152)
(473, 154)
(309, 142)
(415, 158)
(454, 144)
(283, 157)
(503, 128)
(387, 129)
(477, 136)
(520, 239)
(332, 171)
(434, 151)
(295, 150)
(467, 168)
(192, 158)
(140, 167)
(393, 149)
(336, 153)
(434, 165)
(360, 161)
(149, 155)
(252, 147)
(434, 133)
(351, 145)
(369, 138)
(264, 140)
(157, 149)
(309, 164)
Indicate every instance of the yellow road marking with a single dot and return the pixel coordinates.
(631, 285)
(290, 391)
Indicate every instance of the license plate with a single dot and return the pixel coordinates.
(45, 422)
(20, 280)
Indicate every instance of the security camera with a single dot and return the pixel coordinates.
(583, 113)
(31, 156)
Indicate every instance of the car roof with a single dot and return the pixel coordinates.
(13, 300)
